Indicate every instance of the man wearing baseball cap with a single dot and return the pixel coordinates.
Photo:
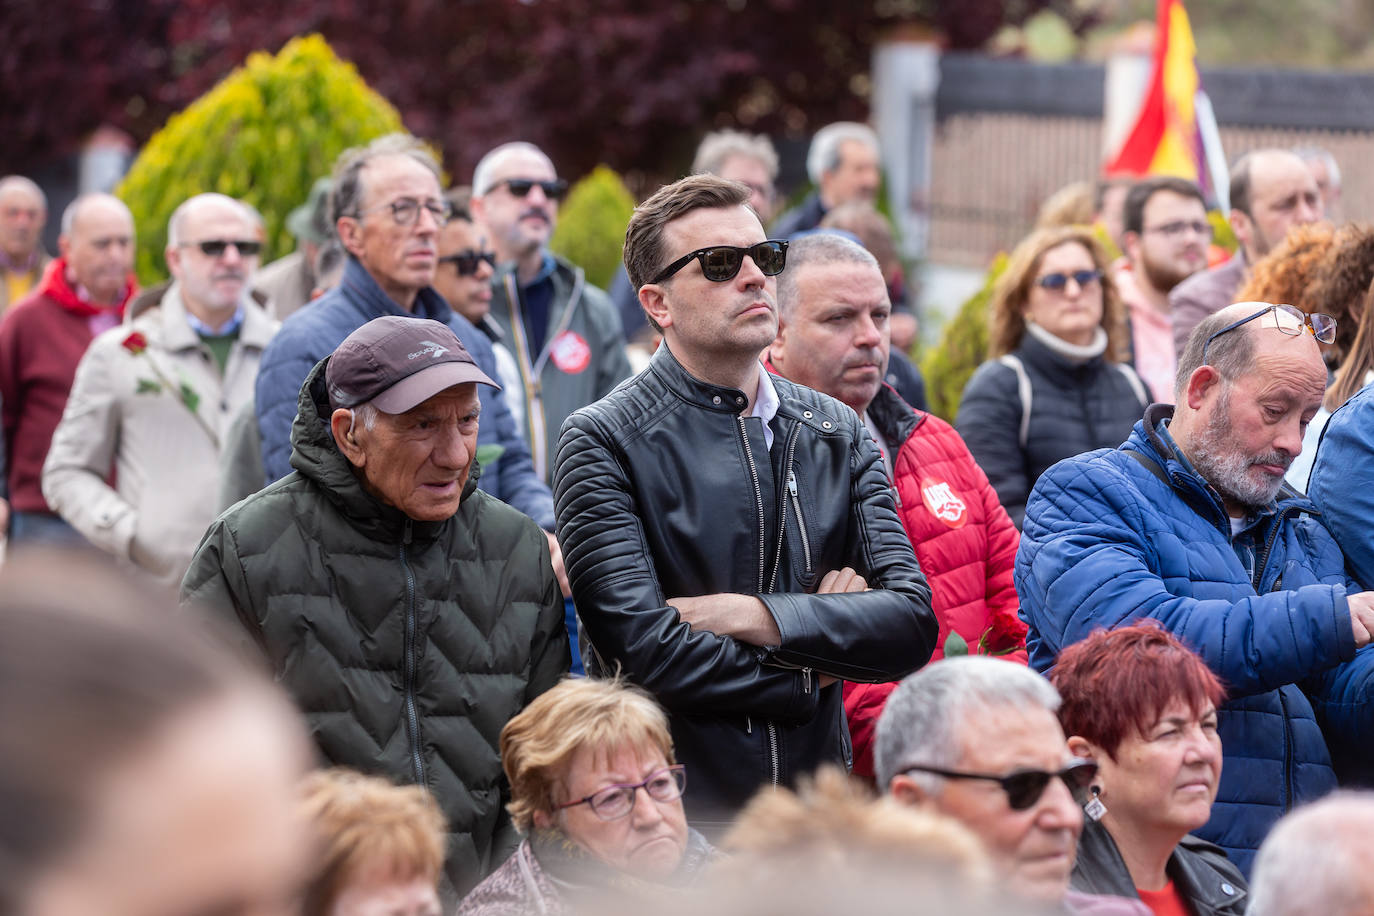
(409, 613)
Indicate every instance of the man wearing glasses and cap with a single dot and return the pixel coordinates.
(1190, 523)
(731, 539)
(289, 282)
(566, 336)
(409, 614)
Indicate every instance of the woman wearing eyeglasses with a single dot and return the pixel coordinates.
(596, 793)
(1144, 708)
(1055, 383)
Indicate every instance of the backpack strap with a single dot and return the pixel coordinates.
(1150, 465)
(1138, 386)
(1023, 389)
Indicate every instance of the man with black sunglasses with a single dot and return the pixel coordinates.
(977, 739)
(565, 334)
(155, 399)
(731, 539)
(1190, 522)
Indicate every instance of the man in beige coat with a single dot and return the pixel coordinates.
(153, 398)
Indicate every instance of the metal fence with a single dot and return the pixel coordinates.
(1011, 133)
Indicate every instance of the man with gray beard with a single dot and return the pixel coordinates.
(1189, 523)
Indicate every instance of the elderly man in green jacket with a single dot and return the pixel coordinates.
(410, 614)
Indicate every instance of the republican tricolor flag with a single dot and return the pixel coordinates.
(1175, 132)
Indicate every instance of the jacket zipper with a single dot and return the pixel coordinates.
(411, 664)
(774, 775)
(801, 522)
(1287, 755)
(1262, 560)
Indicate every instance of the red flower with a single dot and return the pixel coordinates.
(135, 343)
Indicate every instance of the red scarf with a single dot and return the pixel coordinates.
(54, 285)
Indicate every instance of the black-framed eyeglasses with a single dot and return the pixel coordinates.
(1024, 787)
(521, 187)
(406, 210)
(467, 262)
(213, 248)
(1060, 279)
(615, 802)
(1178, 227)
(1322, 326)
(720, 263)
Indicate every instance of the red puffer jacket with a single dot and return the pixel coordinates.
(966, 545)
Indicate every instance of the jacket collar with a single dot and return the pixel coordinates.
(720, 398)
(896, 419)
(1055, 365)
(358, 286)
(318, 459)
(177, 334)
(1100, 869)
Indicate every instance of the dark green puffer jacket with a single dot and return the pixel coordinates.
(408, 645)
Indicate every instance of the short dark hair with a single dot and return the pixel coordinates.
(1240, 184)
(460, 200)
(1133, 212)
(1230, 354)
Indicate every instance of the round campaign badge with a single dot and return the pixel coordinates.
(943, 502)
(570, 352)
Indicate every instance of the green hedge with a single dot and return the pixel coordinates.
(263, 134)
(591, 224)
(963, 347)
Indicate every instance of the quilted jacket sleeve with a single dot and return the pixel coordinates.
(1088, 559)
(1342, 483)
(990, 421)
(1343, 699)
(215, 587)
(624, 610)
(882, 634)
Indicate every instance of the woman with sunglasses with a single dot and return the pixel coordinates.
(1056, 382)
(1144, 708)
(596, 793)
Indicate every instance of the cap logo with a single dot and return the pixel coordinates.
(429, 348)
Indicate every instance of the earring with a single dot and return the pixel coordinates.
(1094, 809)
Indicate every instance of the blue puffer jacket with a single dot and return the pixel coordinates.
(1106, 541)
(312, 333)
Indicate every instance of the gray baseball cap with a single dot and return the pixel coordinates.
(398, 362)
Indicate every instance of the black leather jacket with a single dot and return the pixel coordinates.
(663, 489)
(1211, 884)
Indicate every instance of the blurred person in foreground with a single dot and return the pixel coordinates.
(844, 165)
(42, 339)
(1315, 862)
(23, 214)
(597, 794)
(409, 614)
(1188, 522)
(976, 739)
(382, 846)
(1165, 238)
(388, 211)
(290, 282)
(145, 772)
(564, 333)
(154, 398)
(732, 538)
(833, 315)
(1271, 192)
(1056, 382)
(1143, 707)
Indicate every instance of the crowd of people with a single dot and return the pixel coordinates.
(307, 562)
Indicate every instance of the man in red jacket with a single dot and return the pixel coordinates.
(43, 337)
(833, 336)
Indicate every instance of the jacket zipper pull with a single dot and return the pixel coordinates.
(792, 483)
(405, 534)
(806, 680)
(748, 725)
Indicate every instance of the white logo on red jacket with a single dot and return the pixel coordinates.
(570, 352)
(943, 502)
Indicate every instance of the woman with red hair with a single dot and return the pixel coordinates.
(1144, 707)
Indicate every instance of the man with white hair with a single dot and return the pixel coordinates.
(564, 332)
(154, 398)
(976, 739)
(1315, 862)
(23, 213)
(843, 164)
